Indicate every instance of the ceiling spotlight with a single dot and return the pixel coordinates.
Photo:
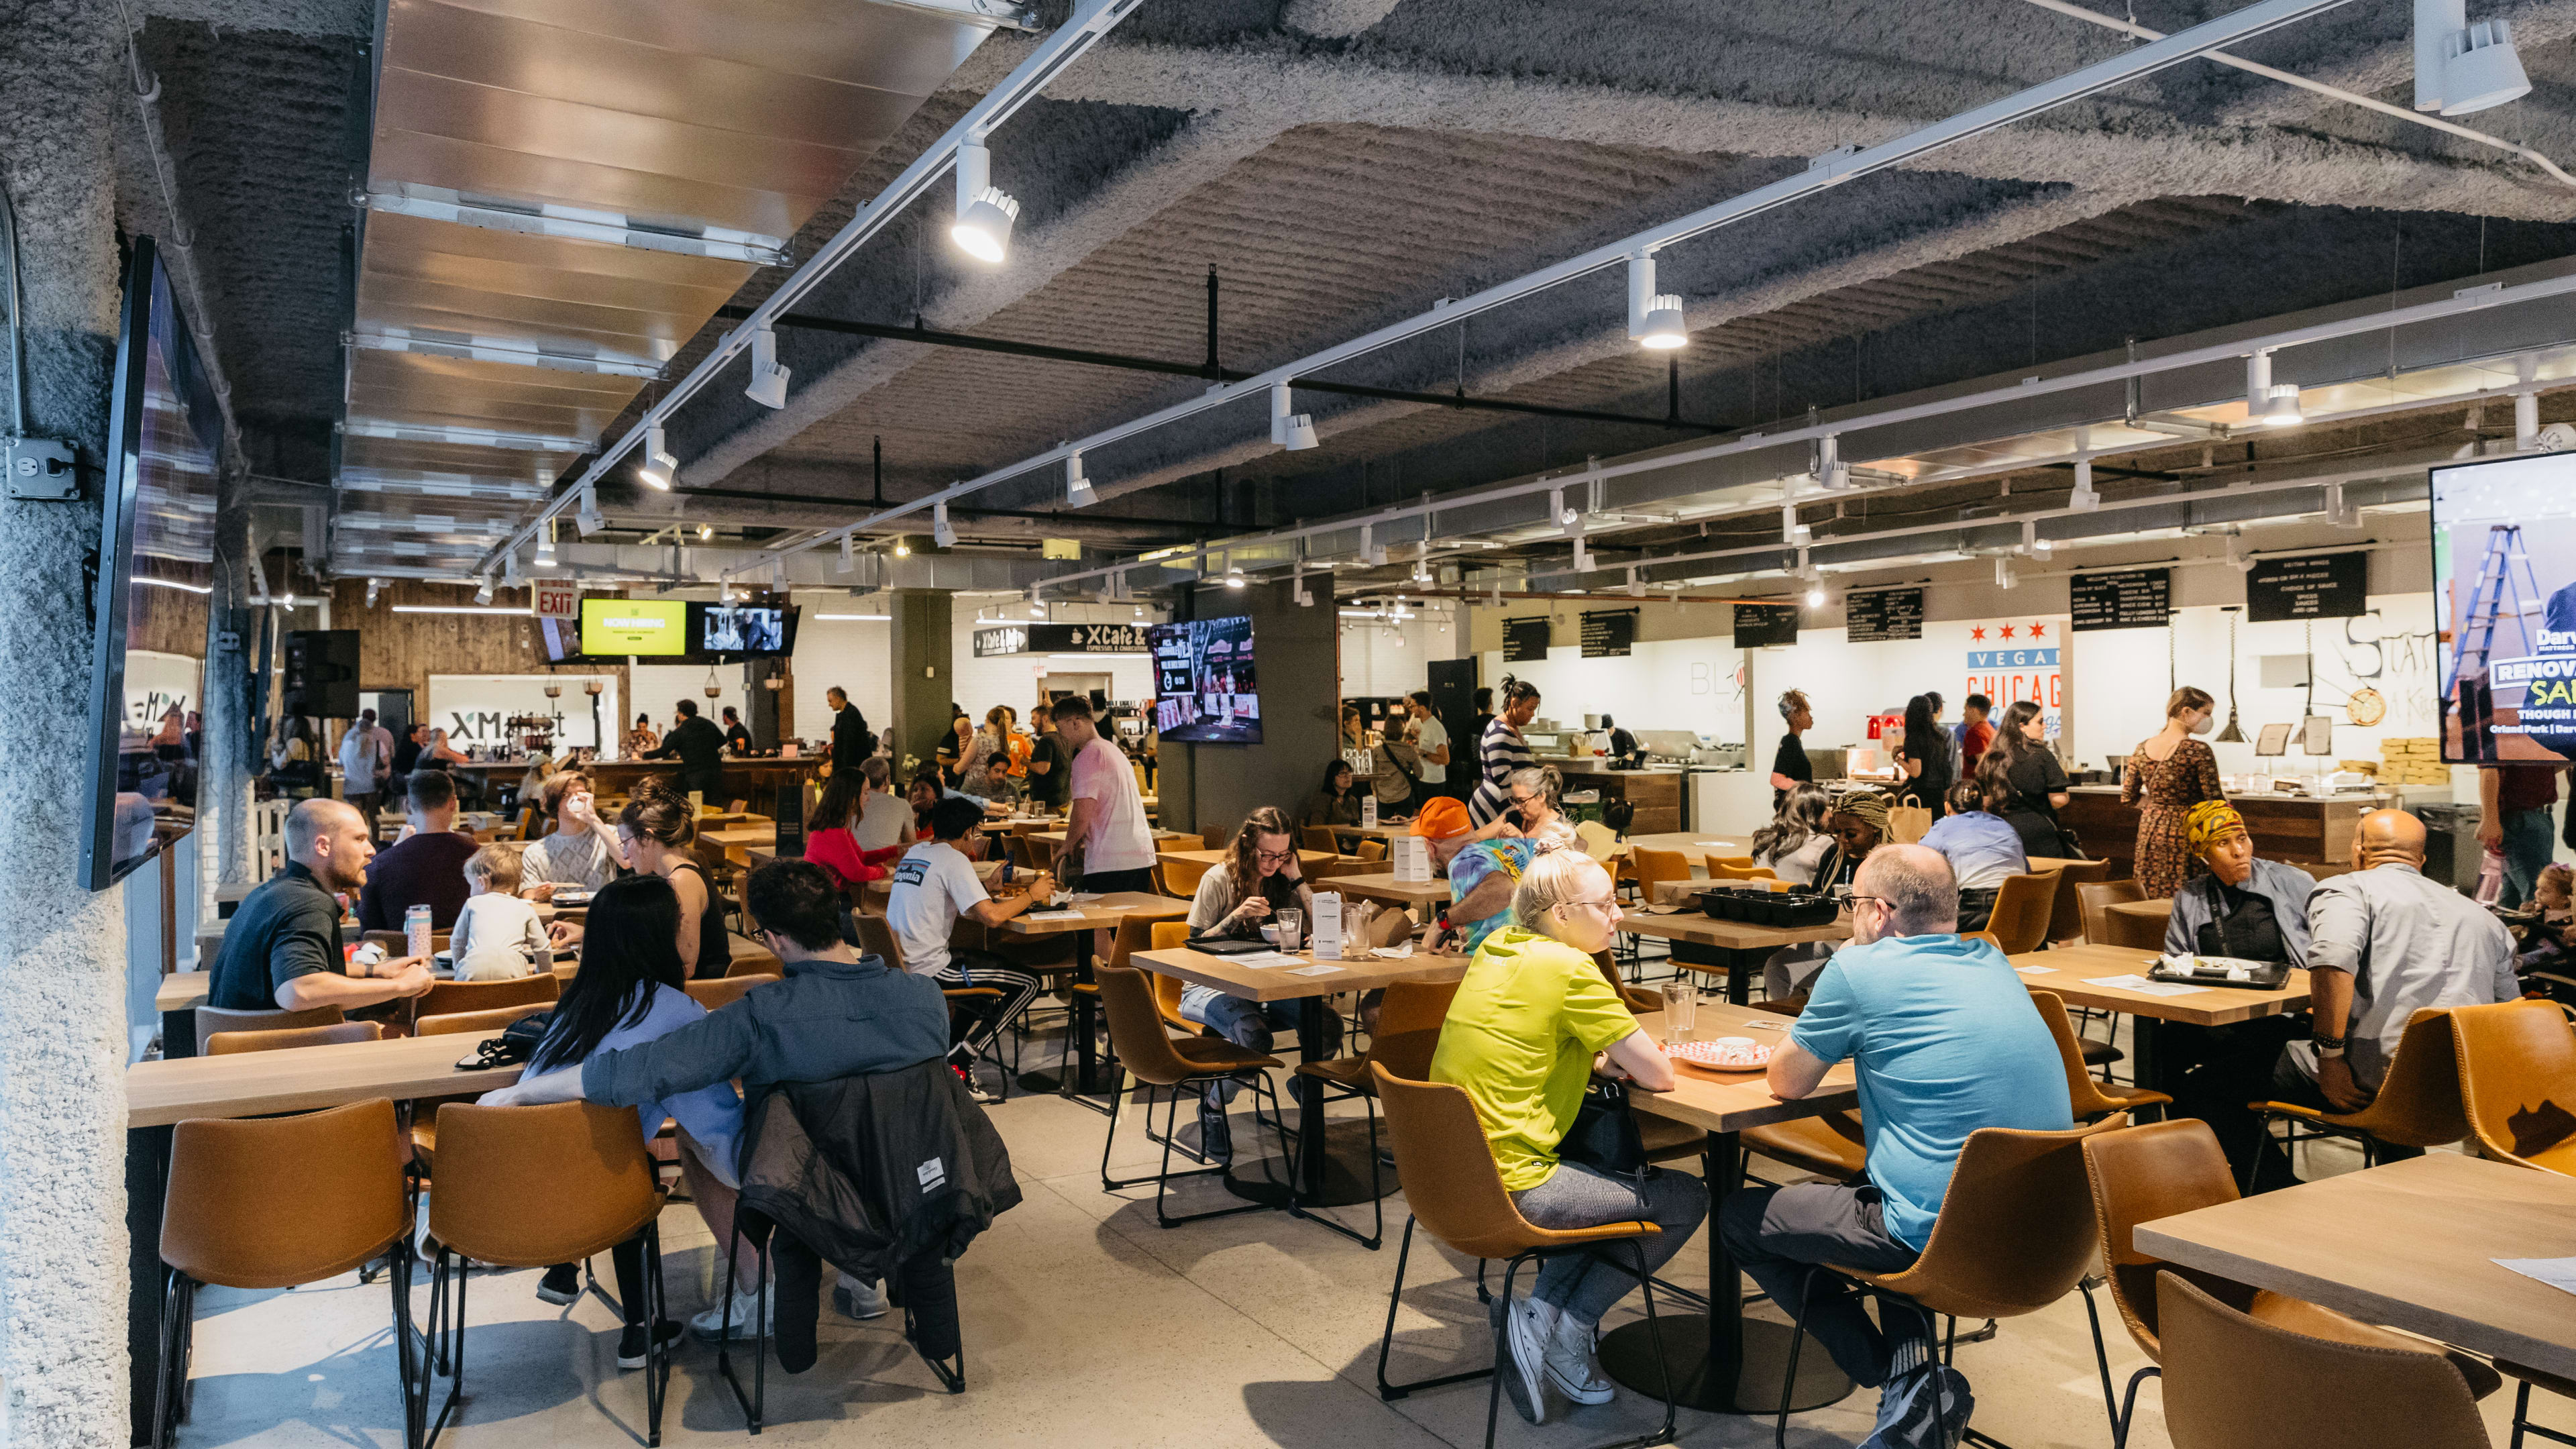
(2281, 407)
(483, 590)
(374, 587)
(1832, 473)
(1654, 318)
(2276, 406)
(1233, 577)
(1077, 489)
(1636, 585)
(2462, 68)
(659, 467)
(1140, 611)
(940, 530)
(984, 212)
(768, 380)
(588, 519)
(849, 556)
(1037, 610)
(545, 553)
(2341, 512)
(903, 548)
(1815, 596)
(2003, 572)
(2084, 499)
(2237, 557)
(1792, 532)
(1289, 429)
(1582, 556)
(724, 591)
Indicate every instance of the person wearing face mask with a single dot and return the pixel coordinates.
(2167, 774)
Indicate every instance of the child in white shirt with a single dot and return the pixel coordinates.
(497, 934)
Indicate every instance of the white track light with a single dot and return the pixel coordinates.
(2340, 511)
(724, 591)
(1636, 585)
(2281, 409)
(1289, 429)
(1077, 489)
(849, 555)
(1037, 610)
(2084, 499)
(1815, 596)
(2462, 68)
(1582, 556)
(1832, 473)
(1654, 318)
(483, 590)
(1792, 532)
(1233, 577)
(2003, 572)
(2275, 406)
(587, 519)
(941, 532)
(768, 380)
(545, 553)
(659, 467)
(984, 212)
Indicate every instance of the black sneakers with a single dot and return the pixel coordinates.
(561, 1285)
(630, 1343)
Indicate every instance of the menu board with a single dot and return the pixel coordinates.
(1607, 633)
(2320, 586)
(1525, 640)
(1883, 614)
(1759, 626)
(2134, 599)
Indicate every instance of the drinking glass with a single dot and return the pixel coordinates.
(1292, 926)
(1681, 1009)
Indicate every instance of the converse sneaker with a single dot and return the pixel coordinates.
(630, 1343)
(1525, 1377)
(710, 1325)
(1573, 1367)
(859, 1300)
(561, 1285)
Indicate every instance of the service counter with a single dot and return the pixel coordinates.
(2299, 829)
(754, 780)
(1655, 791)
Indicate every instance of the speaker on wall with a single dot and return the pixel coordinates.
(322, 673)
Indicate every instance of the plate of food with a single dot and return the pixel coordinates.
(1722, 1054)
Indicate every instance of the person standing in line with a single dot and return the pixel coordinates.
(1949, 732)
(1502, 750)
(2168, 773)
(364, 763)
(2513, 821)
(1924, 758)
(1975, 734)
(1484, 716)
(2033, 784)
(1050, 763)
(1431, 747)
(1789, 767)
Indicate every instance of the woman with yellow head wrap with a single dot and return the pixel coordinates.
(2243, 905)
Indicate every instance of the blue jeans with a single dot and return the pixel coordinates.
(1253, 1025)
(2529, 842)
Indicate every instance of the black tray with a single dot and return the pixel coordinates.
(1767, 908)
(2259, 975)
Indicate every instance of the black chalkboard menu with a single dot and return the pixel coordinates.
(1525, 640)
(1883, 614)
(2133, 599)
(2320, 586)
(1607, 633)
(1761, 625)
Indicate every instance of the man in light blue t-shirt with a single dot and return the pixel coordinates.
(1943, 1040)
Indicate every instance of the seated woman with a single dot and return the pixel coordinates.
(628, 992)
(2245, 906)
(1484, 871)
(1982, 847)
(1259, 879)
(832, 834)
(1332, 803)
(582, 849)
(1795, 841)
(1858, 825)
(1523, 1034)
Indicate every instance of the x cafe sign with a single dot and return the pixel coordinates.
(1059, 639)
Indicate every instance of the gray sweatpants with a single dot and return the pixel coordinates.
(1777, 1234)
(1583, 1286)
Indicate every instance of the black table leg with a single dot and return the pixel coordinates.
(1324, 1178)
(1723, 1364)
(1312, 1152)
(178, 1034)
(147, 1180)
(1085, 1079)
(2144, 1067)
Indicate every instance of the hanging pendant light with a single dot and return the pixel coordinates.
(2231, 735)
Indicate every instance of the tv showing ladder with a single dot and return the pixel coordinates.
(2504, 603)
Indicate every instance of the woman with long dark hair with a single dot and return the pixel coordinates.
(831, 833)
(2028, 780)
(1260, 878)
(1332, 803)
(1925, 758)
(628, 992)
(1796, 840)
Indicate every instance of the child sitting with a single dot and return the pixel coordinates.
(497, 935)
(2546, 940)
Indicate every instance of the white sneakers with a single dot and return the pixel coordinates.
(710, 1325)
(1548, 1350)
(1573, 1364)
(858, 1300)
(1525, 1377)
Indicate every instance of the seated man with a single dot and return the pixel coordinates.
(996, 787)
(425, 867)
(2383, 943)
(934, 885)
(837, 1014)
(281, 951)
(1943, 1041)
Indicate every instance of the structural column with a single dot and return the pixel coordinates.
(919, 645)
(62, 1019)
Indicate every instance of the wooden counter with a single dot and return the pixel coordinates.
(1655, 792)
(755, 780)
(2302, 830)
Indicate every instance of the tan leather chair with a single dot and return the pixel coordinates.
(1169, 936)
(2517, 1064)
(2066, 914)
(724, 991)
(448, 997)
(214, 1019)
(1730, 867)
(1179, 878)
(1653, 867)
(1319, 837)
(2014, 1235)
(2093, 900)
(2091, 1099)
(877, 938)
(2163, 1170)
(757, 964)
(2418, 1103)
(226, 1043)
(1456, 1193)
(2019, 923)
(1372, 850)
(1156, 1059)
(456, 1023)
(1829, 1146)
(530, 1187)
(1409, 1018)
(2235, 1382)
(274, 1202)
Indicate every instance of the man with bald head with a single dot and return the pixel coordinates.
(1942, 1040)
(2384, 943)
(281, 951)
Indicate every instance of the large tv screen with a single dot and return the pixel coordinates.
(1204, 687)
(157, 542)
(746, 631)
(2504, 607)
(650, 627)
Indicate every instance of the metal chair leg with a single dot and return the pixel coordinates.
(1388, 1390)
(755, 1402)
(1376, 1238)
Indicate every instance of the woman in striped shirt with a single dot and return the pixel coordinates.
(1502, 750)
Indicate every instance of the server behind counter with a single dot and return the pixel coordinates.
(1789, 767)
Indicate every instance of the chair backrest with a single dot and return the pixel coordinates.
(1180, 877)
(226, 1043)
(2020, 918)
(271, 1202)
(1134, 934)
(2418, 1104)
(1728, 862)
(2140, 1174)
(2066, 917)
(1371, 849)
(1136, 1025)
(2233, 1382)
(2517, 1068)
(214, 1019)
(1409, 1018)
(877, 938)
(448, 997)
(452, 1023)
(2083, 1093)
(2093, 900)
(1907, 824)
(1986, 936)
(529, 1187)
(1167, 936)
(724, 991)
(1656, 866)
(1319, 837)
(1447, 1168)
(2016, 1228)
(1210, 838)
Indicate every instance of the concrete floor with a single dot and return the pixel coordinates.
(1086, 1324)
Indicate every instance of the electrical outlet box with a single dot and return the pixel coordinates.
(39, 469)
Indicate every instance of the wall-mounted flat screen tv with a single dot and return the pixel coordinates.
(2504, 609)
(1205, 689)
(644, 627)
(745, 631)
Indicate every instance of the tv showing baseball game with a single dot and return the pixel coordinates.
(1204, 686)
(2504, 606)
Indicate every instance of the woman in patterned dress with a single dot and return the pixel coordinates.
(2164, 777)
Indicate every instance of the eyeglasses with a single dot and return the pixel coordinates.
(1604, 903)
(1274, 857)
(1526, 799)
(1856, 900)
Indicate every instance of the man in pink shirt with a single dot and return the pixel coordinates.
(1107, 823)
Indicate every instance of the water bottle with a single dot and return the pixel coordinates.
(416, 931)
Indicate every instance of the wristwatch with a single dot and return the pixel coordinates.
(2328, 1046)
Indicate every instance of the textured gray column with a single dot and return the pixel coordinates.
(919, 645)
(224, 774)
(62, 1018)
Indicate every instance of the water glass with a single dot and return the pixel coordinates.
(1681, 1009)
(1292, 926)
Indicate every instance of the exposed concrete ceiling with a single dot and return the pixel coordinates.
(1344, 163)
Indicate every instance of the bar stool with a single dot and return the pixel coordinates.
(1157, 1059)
(276, 1202)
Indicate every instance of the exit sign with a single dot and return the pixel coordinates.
(558, 599)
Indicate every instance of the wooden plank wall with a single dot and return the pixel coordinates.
(401, 651)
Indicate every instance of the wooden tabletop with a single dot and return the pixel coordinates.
(2158, 911)
(1056, 836)
(1212, 858)
(1383, 886)
(183, 991)
(1693, 843)
(1280, 983)
(2410, 1245)
(732, 836)
(1716, 1101)
(1103, 911)
(1702, 930)
(251, 1084)
(2070, 972)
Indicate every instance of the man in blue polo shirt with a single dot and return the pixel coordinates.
(1943, 1040)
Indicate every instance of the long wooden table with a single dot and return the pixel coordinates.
(1306, 859)
(2074, 973)
(1745, 944)
(1099, 913)
(1724, 1363)
(2411, 1244)
(1383, 886)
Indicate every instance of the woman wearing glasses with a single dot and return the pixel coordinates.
(1486, 868)
(1531, 1022)
(1257, 882)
